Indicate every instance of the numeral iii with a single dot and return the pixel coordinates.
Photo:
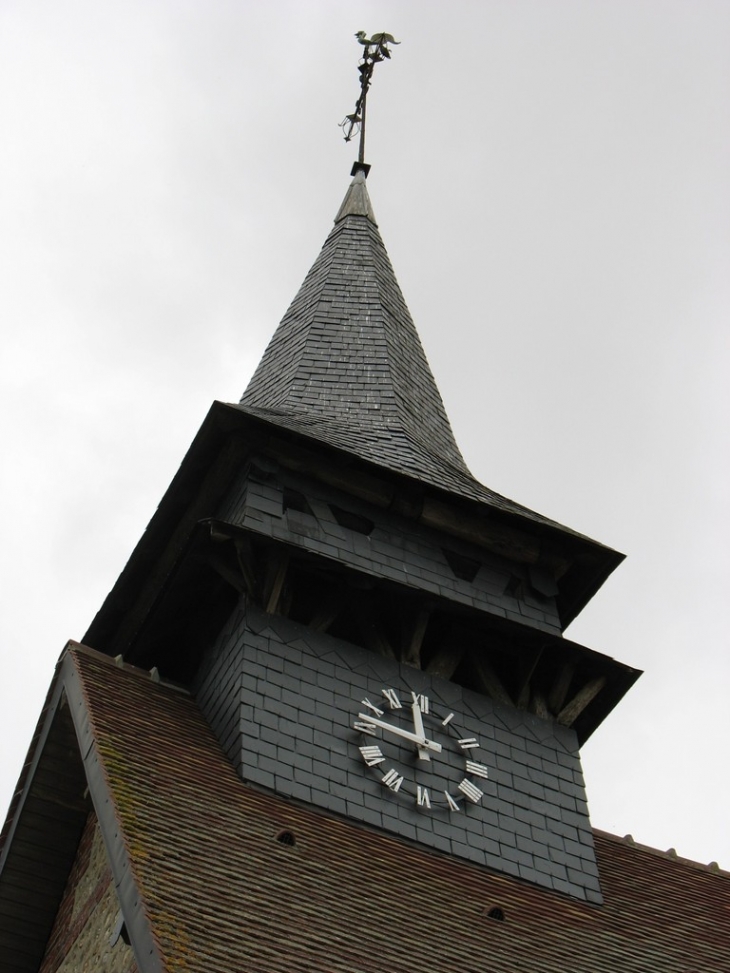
(471, 791)
(479, 770)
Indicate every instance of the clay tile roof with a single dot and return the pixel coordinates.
(220, 892)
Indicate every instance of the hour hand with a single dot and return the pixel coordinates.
(423, 753)
(420, 740)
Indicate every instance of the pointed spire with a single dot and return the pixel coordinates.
(346, 365)
(357, 201)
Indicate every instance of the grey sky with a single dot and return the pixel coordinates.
(551, 181)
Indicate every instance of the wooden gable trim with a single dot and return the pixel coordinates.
(131, 901)
(62, 780)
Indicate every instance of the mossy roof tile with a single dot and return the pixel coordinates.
(223, 894)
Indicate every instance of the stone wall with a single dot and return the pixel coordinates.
(81, 938)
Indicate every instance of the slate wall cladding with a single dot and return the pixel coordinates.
(282, 699)
(397, 549)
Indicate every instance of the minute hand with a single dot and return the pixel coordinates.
(404, 734)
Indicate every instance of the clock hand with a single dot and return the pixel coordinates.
(420, 741)
(423, 753)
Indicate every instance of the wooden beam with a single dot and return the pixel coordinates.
(285, 602)
(275, 577)
(570, 713)
(376, 641)
(491, 683)
(514, 544)
(523, 694)
(140, 601)
(540, 706)
(234, 579)
(446, 661)
(327, 612)
(247, 562)
(559, 690)
(411, 655)
(357, 483)
(523, 697)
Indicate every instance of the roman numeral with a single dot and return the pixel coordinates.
(372, 755)
(393, 780)
(392, 696)
(422, 702)
(372, 706)
(365, 727)
(453, 806)
(469, 790)
(422, 797)
(478, 770)
(469, 743)
(448, 719)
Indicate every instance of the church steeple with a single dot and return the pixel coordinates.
(346, 365)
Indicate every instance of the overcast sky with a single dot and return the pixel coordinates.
(551, 179)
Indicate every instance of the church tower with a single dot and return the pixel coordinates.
(332, 584)
(327, 717)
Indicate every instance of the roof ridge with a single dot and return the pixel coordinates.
(670, 854)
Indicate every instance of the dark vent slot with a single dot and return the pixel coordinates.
(286, 838)
(294, 500)
(465, 568)
(496, 914)
(345, 518)
(542, 582)
(515, 587)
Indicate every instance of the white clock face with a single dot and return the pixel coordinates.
(418, 753)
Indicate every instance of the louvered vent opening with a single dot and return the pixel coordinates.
(465, 568)
(294, 500)
(345, 518)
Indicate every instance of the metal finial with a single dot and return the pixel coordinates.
(375, 49)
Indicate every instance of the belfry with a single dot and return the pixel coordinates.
(327, 718)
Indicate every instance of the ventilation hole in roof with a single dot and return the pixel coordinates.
(361, 525)
(294, 500)
(286, 838)
(496, 913)
(465, 568)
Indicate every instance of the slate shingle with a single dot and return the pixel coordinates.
(346, 366)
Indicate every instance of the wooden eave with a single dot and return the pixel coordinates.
(228, 434)
(62, 780)
(40, 837)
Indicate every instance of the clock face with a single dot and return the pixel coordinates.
(418, 754)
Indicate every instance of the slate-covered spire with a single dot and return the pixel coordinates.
(346, 365)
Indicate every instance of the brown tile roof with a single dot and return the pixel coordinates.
(222, 894)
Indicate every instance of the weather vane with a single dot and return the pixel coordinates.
(375, 49)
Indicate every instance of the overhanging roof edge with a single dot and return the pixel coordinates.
(131, 899)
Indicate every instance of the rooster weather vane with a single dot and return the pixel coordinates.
(375, 50)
